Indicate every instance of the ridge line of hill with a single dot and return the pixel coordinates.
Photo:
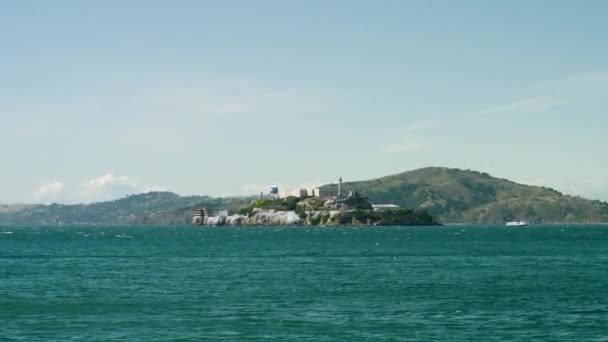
(449, 194)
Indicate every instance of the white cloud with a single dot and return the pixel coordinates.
(103, 188)
(109, 187)
(406, 146)
(219, 98)
(49, 192)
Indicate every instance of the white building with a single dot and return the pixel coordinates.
(311, 192)
(327, 191)
(300, 193)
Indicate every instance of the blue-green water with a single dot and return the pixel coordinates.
(317, 284)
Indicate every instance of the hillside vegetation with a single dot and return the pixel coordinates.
(149, 208)
(450, 195)
(464, 196)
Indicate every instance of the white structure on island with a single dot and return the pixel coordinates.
(384, 206)
(199, 215)
(300, 193)
(327, 192)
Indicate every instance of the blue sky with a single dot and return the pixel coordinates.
(228, 97)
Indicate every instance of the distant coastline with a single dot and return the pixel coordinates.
(448, 195)
(356, 218)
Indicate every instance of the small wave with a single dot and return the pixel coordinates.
(6, 233)
(124, 236)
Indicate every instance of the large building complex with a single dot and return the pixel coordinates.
(328, 191)
(300, 193)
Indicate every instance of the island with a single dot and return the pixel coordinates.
(323, 206)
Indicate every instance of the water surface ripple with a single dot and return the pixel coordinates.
(465, 283)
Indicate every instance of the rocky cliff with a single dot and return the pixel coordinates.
(273, 217)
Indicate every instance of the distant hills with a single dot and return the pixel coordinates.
(149, 208)
(464, 196)
(450, 195)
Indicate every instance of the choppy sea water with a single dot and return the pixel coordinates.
(319, 284)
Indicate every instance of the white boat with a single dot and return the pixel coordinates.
(517, 224)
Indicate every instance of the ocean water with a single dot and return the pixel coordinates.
(458, 283)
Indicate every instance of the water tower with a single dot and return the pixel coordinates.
(274, 190)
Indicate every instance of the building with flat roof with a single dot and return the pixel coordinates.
(300, 193)
(198, 216)
(327, 191)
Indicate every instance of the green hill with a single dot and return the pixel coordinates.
(450, 195)
(148, 208)
(464, 196)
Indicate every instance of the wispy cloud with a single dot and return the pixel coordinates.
(541, 98)
(49, 192)
(182, 102)
(202, 102)
(528, 105)
(103, 188)
(411, 145)
(419, 126)
(413, 142)
(580, 84)
(109, 186)
(554, 93)
(106, 187)
(221, 98)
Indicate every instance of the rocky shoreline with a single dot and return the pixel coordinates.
(273, 217)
